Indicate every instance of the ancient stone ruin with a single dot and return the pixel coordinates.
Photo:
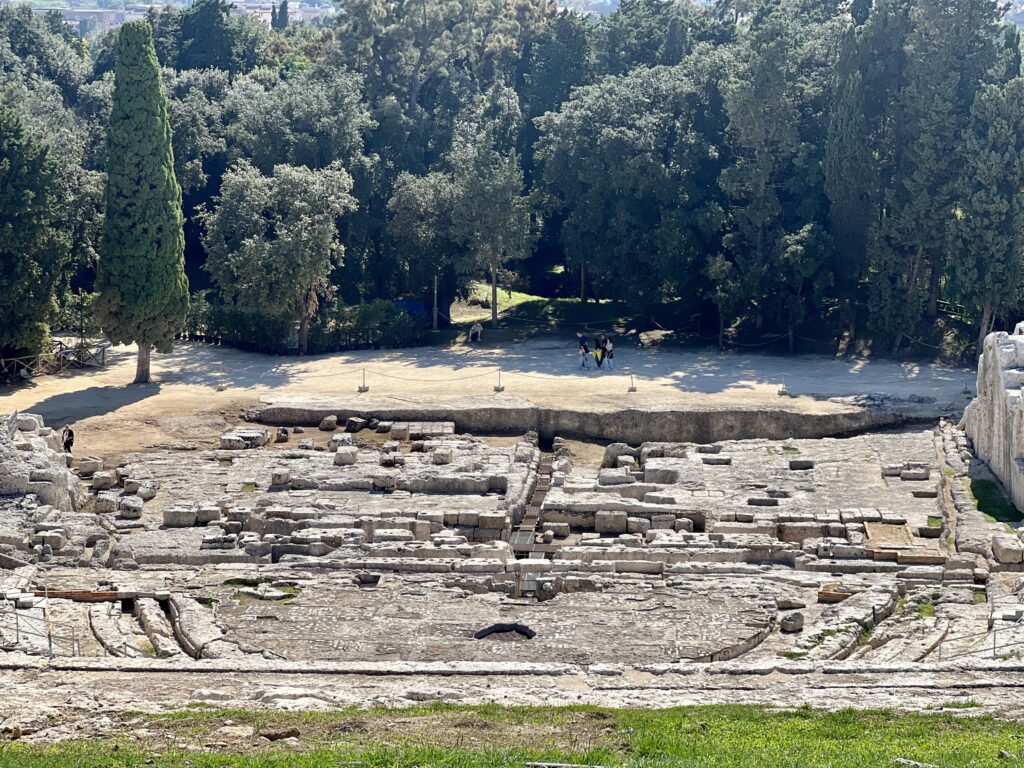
(381, 541)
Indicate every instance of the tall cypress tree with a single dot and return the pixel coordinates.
(140, 276)
(282, 15)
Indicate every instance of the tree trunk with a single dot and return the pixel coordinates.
(933, 297)
(721, 330)
(986, 319)
(142, 364)
(583, 282)
(896, 344)
(494, 295)
(303, 333)
(790, 332)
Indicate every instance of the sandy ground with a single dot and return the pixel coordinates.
(184, 405)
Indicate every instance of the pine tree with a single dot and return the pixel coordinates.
(949, 54)
(987, 231)
(140, 276)
(32, 250)
(282, 15)
(273, 16)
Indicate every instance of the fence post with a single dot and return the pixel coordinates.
(632, 384)
(499, 387)
(363, 387)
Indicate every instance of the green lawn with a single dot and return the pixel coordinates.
(991, 502)
(526, 312)
(462, 737)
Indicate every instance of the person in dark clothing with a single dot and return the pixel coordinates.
(584, 350)
(67, 438)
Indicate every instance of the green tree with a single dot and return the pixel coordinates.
(949, 54)
(206, 36)
(32, 250)
(986, 233)
(140, 277)
(282, 16)
(273, 240)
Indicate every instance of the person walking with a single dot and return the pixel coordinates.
(609, 354)
(599, 351)
(67, 438)
(584, 350)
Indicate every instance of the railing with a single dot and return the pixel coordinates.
(995, 648)
(59, 358)
(28, 628)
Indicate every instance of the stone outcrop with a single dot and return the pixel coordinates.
(995, 420)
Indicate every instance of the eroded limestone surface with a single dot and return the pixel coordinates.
(403, 548)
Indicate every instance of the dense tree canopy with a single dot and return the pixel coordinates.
(784, 169)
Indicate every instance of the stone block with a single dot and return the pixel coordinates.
(89, 466)
(355, 424)
(306, 444)
(208, 513)
(442, 456)
(102, 481)
(148, 489)
(615, 477)
(916, 473)
(281, 476)
(131, 485)
(129, 507)
(471, 519)
(1007, 549)
(346, 455)
(106, 502)
(491, 520)
(611, 522)
(560, 530)
(793, 622)
(329, 423)
(638, 525)
(180, 517)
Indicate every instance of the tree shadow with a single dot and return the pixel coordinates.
(69, 407)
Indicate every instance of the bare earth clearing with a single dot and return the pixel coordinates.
(183, 405)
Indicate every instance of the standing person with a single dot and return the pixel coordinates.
(599, 351)
(584, 350)
(67, 438)
(609, 354)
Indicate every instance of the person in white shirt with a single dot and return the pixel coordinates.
(609, 355)
(475, 332)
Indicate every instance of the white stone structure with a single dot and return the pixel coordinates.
(995, 420)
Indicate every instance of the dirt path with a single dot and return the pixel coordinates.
(184, 406)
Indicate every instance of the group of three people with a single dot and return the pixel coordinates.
(604, 351)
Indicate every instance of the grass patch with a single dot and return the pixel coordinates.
(924, 610)
(248, 487)
(980, 597)
(934, 521)
(491, 736)
(965, 704)
(534, 312)
(990, 501)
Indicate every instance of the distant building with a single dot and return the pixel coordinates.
(94, 20)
